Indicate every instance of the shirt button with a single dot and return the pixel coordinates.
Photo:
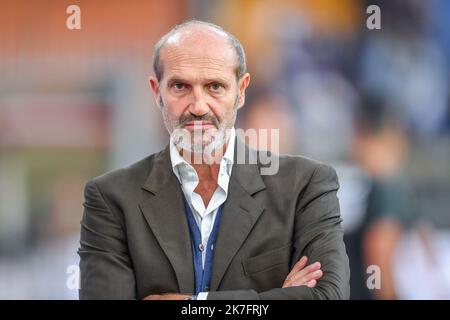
(201, 247)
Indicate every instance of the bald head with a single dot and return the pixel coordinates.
(196, 34)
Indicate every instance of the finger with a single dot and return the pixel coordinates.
(297, 278)
(298, 266)
(302, 280)
(153, 297)
(309, 269)
(312, 276)
(312, 283)
(308, 277)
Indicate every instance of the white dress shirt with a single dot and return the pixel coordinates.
(188, 178)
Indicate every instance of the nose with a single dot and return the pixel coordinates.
(198, 106)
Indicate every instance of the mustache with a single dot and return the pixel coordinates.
(191, 118)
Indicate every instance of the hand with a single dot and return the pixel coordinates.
(166, 296)
(301, 275)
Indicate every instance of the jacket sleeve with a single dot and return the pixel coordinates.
(318, 235)
(105, 266)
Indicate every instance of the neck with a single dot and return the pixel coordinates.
(208, 174)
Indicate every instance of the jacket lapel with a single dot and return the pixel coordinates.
(164, 212)
(240, 213)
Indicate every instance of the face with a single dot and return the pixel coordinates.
(199, 93)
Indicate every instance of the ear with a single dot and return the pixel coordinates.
(243, 84)
(154, 84)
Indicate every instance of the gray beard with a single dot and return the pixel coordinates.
(182, 138)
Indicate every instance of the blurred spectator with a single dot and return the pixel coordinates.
(421, 264)
(407, 67)
(380, 149)
(270, 112)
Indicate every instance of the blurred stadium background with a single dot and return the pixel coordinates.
(373, 103)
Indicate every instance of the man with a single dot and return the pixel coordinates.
(173, 227)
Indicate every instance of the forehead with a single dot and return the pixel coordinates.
(198, 55)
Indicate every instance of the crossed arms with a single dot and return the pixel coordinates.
(318, 235)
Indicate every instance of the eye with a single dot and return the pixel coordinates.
(179, 85)
(216, 87)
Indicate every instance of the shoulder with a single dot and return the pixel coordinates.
(306, 166)
(132, 175)
(300, 166)
(297, 172)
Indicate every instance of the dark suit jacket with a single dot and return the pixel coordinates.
(135, 238)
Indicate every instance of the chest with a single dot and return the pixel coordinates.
(206, 190)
